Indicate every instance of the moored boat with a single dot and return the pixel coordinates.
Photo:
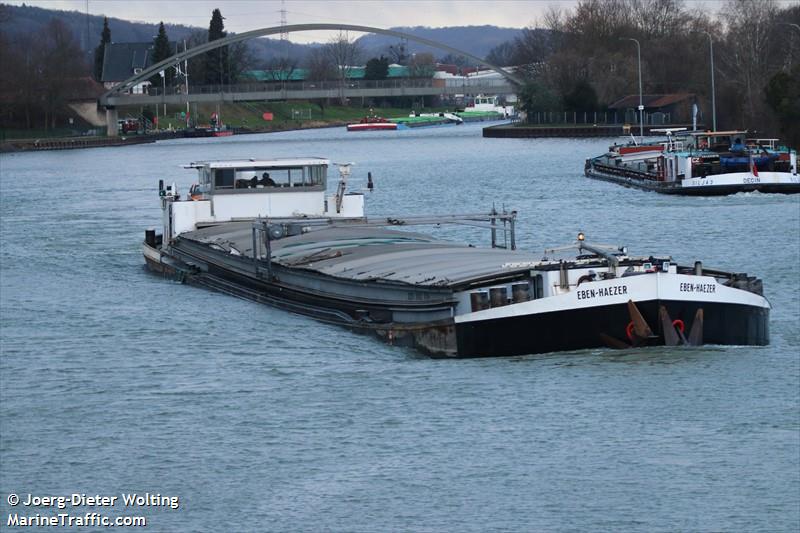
(267, 230)
(416, 119)
(700, 163)
(372, 123)
(486, 108)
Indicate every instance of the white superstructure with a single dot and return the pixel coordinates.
(249, 188)
(489, 104)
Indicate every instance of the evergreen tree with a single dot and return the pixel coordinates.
(161, 51)
(377, 68)
(783, 96)
(100, 51)
(216, 68)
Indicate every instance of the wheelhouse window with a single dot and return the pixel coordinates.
(268, 177)
(224, 178)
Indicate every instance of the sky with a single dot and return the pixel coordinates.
(245, 15)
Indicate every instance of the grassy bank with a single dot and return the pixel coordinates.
(285, 115)
(248, 115)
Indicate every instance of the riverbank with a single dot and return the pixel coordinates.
(242, 118)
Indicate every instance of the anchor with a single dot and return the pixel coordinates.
(639, 332)
(673, 329)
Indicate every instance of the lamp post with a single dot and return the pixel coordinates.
(795, 26)
(164, 90)
(713, 93)
(641, 104)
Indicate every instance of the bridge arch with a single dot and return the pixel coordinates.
(197, 50)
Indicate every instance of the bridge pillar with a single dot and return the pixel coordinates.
(112, 128)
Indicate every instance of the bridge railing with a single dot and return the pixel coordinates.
(335, 85)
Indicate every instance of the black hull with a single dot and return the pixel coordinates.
(573, 329)
(578, 329)
(710, 190)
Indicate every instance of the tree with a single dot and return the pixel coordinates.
(161, 51)
(583, 97)
(60, 67)
(280, 68)
(377, 68)
(421, 66)
(398, 53)
(216, 63)
(100, 51)
(783, 96)
(197, 64)
(501, 55)
(240, 59)
(535, 97)
(319, 65)
(344, 53)
(748, 52)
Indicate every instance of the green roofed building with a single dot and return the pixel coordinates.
(300, 74)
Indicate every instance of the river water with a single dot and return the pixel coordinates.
(117, 381)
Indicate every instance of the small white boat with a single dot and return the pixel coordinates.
(488, 104)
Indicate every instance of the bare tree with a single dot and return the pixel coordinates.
(319, 65)
(344, 53)
(281, 68)
(748, 55)
(398, 53)
(422, 65)
(61, 67)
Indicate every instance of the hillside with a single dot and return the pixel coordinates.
(22, 20)
(477, 40)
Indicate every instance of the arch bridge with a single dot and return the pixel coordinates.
(118, 95)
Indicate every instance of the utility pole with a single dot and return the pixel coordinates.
(284, 33)
(713, 92)
(641, 104)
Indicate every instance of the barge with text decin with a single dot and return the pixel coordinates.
(700, 164)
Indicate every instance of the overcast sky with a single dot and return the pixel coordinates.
(244, 15)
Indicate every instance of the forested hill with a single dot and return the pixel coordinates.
(477, 40)
(28, 20)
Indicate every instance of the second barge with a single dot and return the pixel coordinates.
(700, 164)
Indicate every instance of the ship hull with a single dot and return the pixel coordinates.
(579, 329)
(571, 321)
(716, 185)
(372, 126)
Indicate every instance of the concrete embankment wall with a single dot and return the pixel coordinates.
(67, 143)
(89, 112)
(511, 131)
(517, 132)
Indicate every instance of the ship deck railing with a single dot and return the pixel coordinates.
(262, 234)
(627, 172)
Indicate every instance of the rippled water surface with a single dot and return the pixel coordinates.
(113, 380)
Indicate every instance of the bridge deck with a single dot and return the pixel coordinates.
(316, 90)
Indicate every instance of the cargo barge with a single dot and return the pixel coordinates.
(700, 164)
(269, 231)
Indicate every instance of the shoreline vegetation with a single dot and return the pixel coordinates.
(243, 118)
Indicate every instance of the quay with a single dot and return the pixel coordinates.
(68, 143)
(525, 131)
